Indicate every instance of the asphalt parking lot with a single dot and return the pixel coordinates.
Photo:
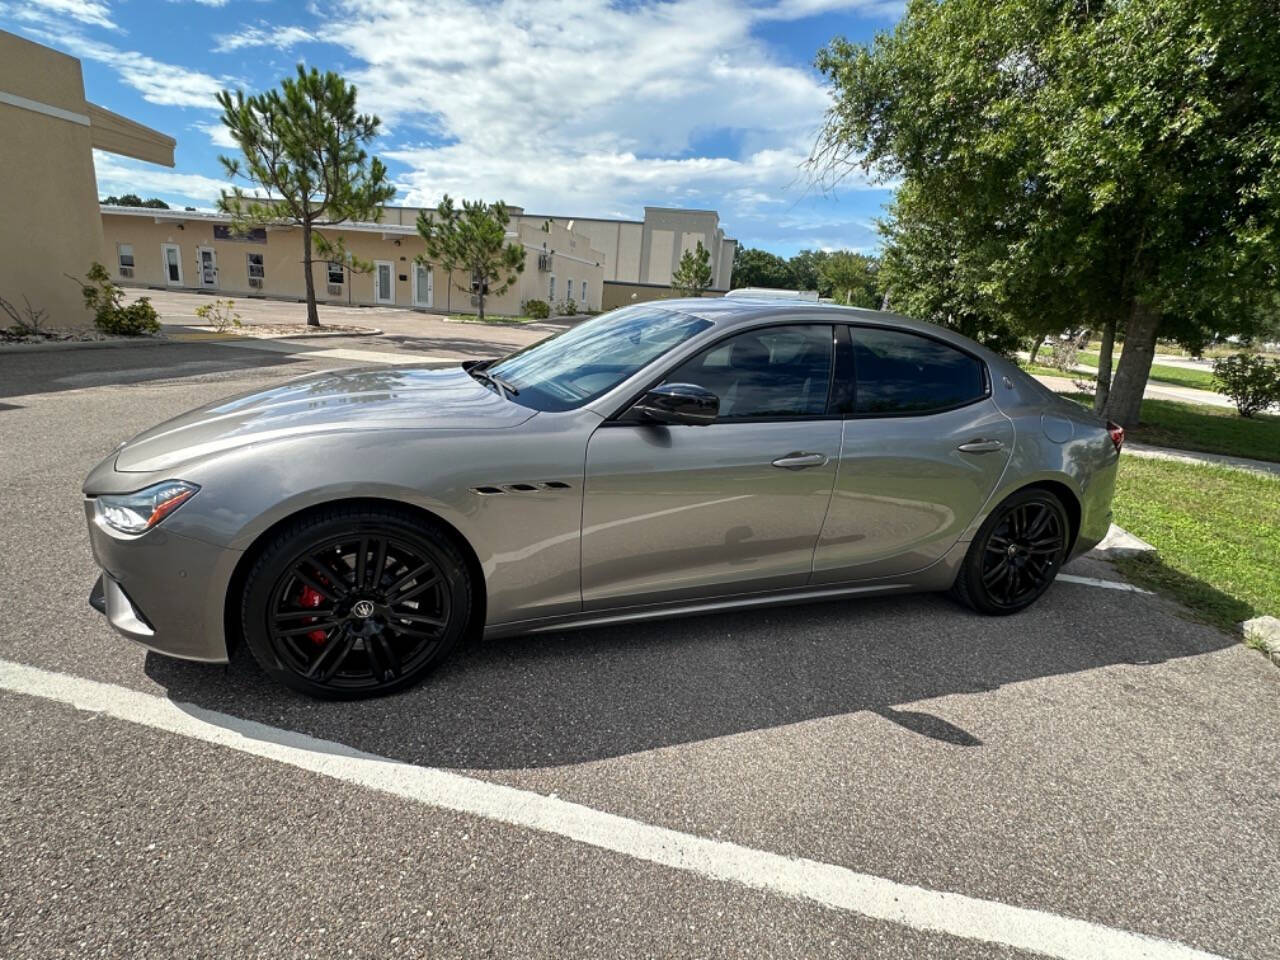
(1098, 758)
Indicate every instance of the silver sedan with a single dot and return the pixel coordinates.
(661, 460)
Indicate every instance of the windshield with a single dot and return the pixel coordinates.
(583, 363)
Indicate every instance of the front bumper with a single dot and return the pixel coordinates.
(164, 591)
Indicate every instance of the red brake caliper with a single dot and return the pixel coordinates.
(310, 597)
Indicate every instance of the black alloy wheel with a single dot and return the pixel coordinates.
(1016, 555)
(356, 605)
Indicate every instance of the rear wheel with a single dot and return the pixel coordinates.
(1016, 554)
(354, 603)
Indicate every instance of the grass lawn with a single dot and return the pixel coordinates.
(1178, 376)
(1217, 531)
(488, 318)
(1196, 426)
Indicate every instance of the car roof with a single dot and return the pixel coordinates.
(730, 312)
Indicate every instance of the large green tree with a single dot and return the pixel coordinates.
(303, 152)
(851, 278)
(474, 240)
(759, 268)
(1113, 160)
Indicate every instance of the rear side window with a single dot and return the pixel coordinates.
(899, 373)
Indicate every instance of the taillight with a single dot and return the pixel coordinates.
(1116, 432)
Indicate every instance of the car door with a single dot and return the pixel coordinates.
(923, 447)
(679, 512)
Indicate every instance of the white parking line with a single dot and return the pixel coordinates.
(833, 886)
(1095, 582)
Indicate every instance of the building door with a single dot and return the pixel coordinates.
(423, 285)
(384, 289)
(208, 259)
(171, 257)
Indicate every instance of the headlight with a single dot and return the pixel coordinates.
(136, 512)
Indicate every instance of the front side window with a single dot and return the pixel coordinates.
(335, 272)
(589, 360)
(768, 373)
(903, 373)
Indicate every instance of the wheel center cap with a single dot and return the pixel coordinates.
(363, 608)
(1013, 550)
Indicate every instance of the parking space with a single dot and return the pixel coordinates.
(1099, 757)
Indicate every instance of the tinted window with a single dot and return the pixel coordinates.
(902, 373)
(774, 372)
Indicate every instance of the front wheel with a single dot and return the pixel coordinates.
(353, 603)
(1016, 554)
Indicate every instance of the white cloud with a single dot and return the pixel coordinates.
(264, 35)
(55, 13)
(162, 83)
(217, 133)
(582, 106)
(117, 175)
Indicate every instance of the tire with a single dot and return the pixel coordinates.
(1016, 554)
(365, 638)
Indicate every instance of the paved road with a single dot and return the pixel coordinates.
(1099, 757)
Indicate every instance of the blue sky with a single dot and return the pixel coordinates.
(569, 107)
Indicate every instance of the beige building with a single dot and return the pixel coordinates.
(642, 255)
(199, 251)
(49, 223)
(597, 264)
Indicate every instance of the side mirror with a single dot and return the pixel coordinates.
(679, 403)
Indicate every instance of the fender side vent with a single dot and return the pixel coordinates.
(491, 490)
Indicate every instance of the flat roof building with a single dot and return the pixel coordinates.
(597, 264)
(48, 190)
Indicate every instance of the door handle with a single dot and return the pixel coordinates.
(800, 460)
(981, 446)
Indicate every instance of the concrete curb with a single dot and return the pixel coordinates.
(212, 336)
(1263, 633)
(1120, 543)
(11, 348)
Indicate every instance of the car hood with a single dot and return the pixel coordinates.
(373, 399)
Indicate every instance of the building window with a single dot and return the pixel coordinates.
(124, 253)
(257, 270)
(568, 289)
(584, 294)
(551, 289)
(335, 272)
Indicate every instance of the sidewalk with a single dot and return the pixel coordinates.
(1154, 391)
(1208, 459)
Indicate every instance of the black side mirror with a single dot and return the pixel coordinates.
(679, 403)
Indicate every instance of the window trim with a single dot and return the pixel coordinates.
(616, 418)
(262, 265)
(852, 415)
(328, 272)
(120, 247)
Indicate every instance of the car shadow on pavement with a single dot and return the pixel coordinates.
(574, 697)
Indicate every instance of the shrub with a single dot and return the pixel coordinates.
(537, 309)
(1063, 355)
(1250, 380)
(220, 314)
(110, 315)
(567, 308)
(26, 322)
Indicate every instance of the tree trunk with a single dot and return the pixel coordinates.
(1035, 347)
(1124, 405)
(313, 316)
(1102, 386)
